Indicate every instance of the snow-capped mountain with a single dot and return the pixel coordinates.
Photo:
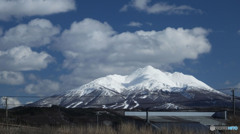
(144, 88)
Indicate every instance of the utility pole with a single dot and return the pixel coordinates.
(147, 118)
(233, 96)
(6, 108)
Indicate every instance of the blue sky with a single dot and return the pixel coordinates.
(50, 46)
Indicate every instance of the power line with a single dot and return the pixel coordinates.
(16, 96)
(156, 102)
(124, 97)
(116, 95)
(73, 96)
(229, 89)
(153, 102)
(84, 96)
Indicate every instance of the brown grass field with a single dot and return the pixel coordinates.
(56, 120)
(125, 128)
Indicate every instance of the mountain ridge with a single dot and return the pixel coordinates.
(148, 77)
(145, 87)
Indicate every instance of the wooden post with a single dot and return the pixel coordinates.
(97, 119)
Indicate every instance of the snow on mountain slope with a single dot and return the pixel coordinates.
(143, 88)
(143, 78)
(154, 79)
(111, 82)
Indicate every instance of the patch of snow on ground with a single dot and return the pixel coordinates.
(143, 97)
(135, 105)
(77, 104)
(70, 105)
(104, 107)
(114, 105)
(125, 105)
(170, 106)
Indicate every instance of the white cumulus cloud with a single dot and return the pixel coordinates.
(145, 5)
(1, 31)
(12, 102)
(37, 32)
(22, 58)
(238, 85)
(20, 8)
(11, 78)
(135, 24)
(92, 49)
(42, 87)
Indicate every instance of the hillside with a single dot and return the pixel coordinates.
(59, 116)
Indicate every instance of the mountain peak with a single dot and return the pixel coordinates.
(148, 78)
(148, 75)
(146, 72)
(148, 69)
(130, 91)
